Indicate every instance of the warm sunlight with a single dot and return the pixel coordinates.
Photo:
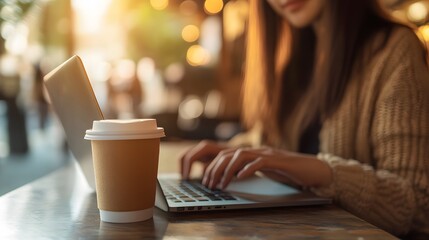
(90, 14)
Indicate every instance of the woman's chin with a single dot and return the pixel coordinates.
(299, 22)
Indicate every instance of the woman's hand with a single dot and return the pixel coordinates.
(304, 170)
(203, 152)
(222, 164)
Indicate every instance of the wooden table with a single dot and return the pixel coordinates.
(60, 206)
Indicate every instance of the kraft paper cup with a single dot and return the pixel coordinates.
(125, 155)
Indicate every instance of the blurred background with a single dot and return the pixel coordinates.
(179, 61)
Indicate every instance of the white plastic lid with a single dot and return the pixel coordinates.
(114, 129)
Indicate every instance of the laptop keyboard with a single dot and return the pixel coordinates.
(191, 191)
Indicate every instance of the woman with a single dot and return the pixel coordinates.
(340, 95)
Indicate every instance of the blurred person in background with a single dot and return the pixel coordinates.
(10, 87)
(125, 94)
(336, 100)
(39, 97)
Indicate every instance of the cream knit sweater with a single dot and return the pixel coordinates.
(377, 142)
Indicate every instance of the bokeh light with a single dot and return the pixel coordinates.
(424, 32)
(125, 69)
(234, 18)
(102, 71)
(159, 4)
(7, 28)
(211, 37)
(191, 108)
(213, 106)
(188, 7)
(9, 12)
(174, 72)
(17, 41)
(146, 69)
(213, 6)
(197, 56)
(417, 12)
(190, 33)
(9, 66)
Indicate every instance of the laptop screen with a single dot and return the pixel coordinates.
(76, 106)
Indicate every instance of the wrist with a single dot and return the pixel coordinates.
(308, 170)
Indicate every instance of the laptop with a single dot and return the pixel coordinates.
(76, 106)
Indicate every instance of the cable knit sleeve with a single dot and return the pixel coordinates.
(392, 191)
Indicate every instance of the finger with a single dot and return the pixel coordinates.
(209, 170)
(218, 169)
(213, 164)
(182, 160)
(251, 168)
(203, 151)
(205, 166)
(239, 160)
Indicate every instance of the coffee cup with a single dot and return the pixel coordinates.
(125, 155)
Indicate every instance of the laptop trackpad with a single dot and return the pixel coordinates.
(261, 189)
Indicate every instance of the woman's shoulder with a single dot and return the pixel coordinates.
(397, 47)
(401, 67)
(401, 43)
(395, 64)
(405, 37)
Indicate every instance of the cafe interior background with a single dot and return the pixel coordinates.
(179, 61)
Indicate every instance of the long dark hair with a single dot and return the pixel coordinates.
(281, 67)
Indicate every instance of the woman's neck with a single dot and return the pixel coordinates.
(321, 25)
(319, 29)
